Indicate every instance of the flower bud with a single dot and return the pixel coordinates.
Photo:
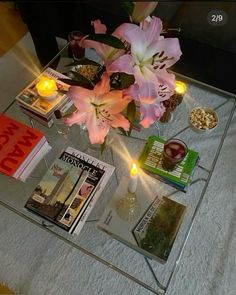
(141, 10)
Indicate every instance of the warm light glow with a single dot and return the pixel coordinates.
(134, 169)
(180, 87)
(46, 87)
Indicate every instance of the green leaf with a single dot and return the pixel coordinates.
(126, 80)
(107, 39)
(83, 61)
(128, 7)
(121, 80)
(122, 131)
(131, 111)
(84, 82)
(103, 145)
(130, 129)
(76, 83)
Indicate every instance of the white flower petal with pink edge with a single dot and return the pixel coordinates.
(103, 86)
(81, 97)
(152, 29)
(121, 64)
(169, 52)
(120, 121)
(114, 102)
(96, 129)
(150, 113)
(135, 36)
(76, 118)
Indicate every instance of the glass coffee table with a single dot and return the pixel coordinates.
(91, 241)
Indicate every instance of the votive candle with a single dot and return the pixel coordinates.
(46, 87)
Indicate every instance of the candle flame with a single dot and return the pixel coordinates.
(46, 86)
(180, 87)
(134, 169)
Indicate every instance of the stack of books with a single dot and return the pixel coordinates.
(40, 109)
(69, 189)
(21, 146)
(151, 161)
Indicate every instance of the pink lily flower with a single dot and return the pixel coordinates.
(151, 54)
(99, 109)
(150, 101)
(106, 52)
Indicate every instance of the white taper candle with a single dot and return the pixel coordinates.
(133, 182)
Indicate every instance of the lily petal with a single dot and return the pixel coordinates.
(121, 64)
(150, 113)
(132, 92)
(148, 93)
(120, 121)
(76, 118)
(152, 29)
(135, 36)
(169, 50)
(81, 97)
(97, 130)
(114, 101)
(103, 86)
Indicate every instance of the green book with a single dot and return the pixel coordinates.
(151, 161)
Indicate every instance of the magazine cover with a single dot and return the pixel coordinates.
(31, 100)
(65, 190)
(151, 160)
(109, 169)
(153, 231)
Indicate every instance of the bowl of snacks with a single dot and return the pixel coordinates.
(203, 119)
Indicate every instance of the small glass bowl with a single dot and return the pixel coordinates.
(200, 124)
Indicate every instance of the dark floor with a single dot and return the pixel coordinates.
(207, 64)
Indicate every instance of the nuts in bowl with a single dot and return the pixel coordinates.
(203, 119)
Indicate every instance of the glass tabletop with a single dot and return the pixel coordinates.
(150, 274)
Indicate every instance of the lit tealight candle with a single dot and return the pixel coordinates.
(180, 87)
(133, 178)
(46, 88)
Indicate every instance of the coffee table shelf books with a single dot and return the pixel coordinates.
(39, 108)
(151, 161)
(21, 148)
(153, 230)
(69, 189)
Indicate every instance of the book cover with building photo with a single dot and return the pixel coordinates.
(63, 193)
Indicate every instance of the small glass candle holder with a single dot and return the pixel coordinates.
(128, 207)
(74, 39)
(47, 88)
(180, 90)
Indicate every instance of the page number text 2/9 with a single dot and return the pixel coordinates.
(217, 17)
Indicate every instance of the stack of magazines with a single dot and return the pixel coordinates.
(22, 148)
(40, 109)
(151, 161)
(69, 189)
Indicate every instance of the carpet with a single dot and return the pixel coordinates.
(12, 27)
